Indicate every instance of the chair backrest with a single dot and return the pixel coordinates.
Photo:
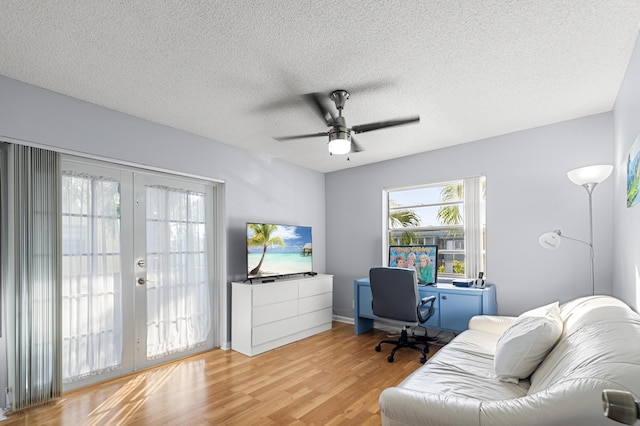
(395, 293)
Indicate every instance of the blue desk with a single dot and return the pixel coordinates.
(454, 305)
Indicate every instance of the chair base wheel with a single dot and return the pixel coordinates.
(404, 342)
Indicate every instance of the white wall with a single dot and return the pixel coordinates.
(626, 221)
(257, 188)
(528, 193)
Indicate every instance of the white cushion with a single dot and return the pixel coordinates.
(524, 345)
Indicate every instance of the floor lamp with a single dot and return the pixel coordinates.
(587, 177)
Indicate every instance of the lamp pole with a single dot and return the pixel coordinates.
(590, 187)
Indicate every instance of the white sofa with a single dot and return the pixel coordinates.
(598, 348)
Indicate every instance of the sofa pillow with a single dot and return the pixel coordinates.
(525, 344)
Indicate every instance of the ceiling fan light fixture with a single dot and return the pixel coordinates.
(339, 141)
(339, 146)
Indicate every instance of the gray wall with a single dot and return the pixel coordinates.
(626, 223)
(528, 193)
(257, 188)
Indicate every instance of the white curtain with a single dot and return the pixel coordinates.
(473, 225)
(92, 334)
(178, 311)
(31, 273)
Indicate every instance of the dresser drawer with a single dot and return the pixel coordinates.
(315, 303)
(315, 286)
(266, 294)
(274, 312)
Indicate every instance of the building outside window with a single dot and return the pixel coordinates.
(450, 215)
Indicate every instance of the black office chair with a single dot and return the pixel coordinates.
(396, 297)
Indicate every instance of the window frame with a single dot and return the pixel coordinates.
(474, 228)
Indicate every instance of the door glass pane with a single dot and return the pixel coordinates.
(91, 276)
(178, 310)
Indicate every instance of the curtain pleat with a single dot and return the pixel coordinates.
(473, 226)
(32, 277)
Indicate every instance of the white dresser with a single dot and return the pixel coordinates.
(268, 315)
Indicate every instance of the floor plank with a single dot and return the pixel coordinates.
(334, 378)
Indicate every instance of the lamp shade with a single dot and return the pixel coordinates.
(590, 174)
(339, 146)
(550, 240)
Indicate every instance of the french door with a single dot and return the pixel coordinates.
(137, 270)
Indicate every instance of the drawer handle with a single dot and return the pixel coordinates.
(444, 297)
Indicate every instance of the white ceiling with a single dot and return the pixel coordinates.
(234, 71)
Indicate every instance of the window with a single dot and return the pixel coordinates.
(450, 215)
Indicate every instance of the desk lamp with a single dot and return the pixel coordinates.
(587, 177)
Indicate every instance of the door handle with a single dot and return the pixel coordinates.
(444, 297)
(143, 281)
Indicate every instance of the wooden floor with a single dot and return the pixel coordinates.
(333, 378)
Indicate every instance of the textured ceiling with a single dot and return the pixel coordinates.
(234, 71)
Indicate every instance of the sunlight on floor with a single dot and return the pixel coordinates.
(119, 408)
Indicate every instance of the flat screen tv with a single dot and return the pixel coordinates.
(275, 250)
(422, 258)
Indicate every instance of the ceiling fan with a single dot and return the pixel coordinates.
(340, 139)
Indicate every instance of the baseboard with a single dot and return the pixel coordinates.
(346, 320)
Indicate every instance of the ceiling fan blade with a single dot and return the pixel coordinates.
(310, 135)
(355, 146)
(383, 124)
(315, 99)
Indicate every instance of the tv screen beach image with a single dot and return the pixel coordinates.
(275, 250)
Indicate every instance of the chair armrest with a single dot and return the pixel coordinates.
(494, 324)
(427, 299)
(430, 310)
